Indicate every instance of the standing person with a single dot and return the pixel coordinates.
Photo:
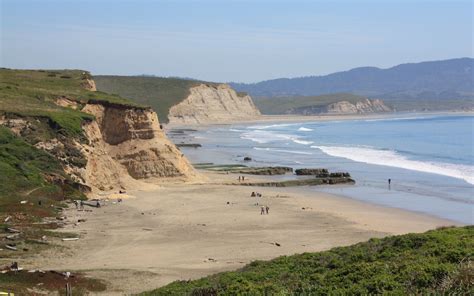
(267, 208)
(262, 210)
(239, 178)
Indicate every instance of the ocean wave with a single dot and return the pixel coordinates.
(303, 142)
(262, 127)
(393, 159)
(282, 150)
(263, 136)
(236, 130)
(399, 118)
(304, 129)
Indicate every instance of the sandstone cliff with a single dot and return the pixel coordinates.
(213, 104)
(125, 145)
(364, 106)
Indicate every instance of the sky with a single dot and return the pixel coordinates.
(222, 41)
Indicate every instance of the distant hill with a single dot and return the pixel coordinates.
(436, 80)
(182, 101)
(157, 92)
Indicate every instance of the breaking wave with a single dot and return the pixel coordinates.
(282, 150)
(393, 159)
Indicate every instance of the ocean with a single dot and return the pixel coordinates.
(429, 159)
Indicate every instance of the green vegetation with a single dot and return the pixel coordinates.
(158, 92)
(23, 283)
(435, 262)
(282, 105)
(31, 175)
(33, 93)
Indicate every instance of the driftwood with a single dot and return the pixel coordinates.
(70, 239)
(7, 219)
(13, 230)
(12, 236)
(11, 247)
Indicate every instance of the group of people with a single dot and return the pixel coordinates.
(264, 210)
(241, 178)
(255, 194)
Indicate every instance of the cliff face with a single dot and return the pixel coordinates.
(213, 104)
(344, 107)
(126, 145)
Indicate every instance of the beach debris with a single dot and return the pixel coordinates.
(81, 220)
(201, 224)
(67, 239)
(272, 243)
(148, 229)
(13, 230)
(61, 218)
(247, 158)
(23, 202)
(7, 219)
(11, 247)
(12, 236)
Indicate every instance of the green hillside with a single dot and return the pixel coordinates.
(159, 93)
(435, 262)
(33, 92)
(280, 105)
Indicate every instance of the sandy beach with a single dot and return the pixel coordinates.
(186, 231)
(315, 118)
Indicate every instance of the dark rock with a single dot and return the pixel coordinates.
(246, 158)
(320, 173)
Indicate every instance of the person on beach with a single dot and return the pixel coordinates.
(253, 194)
(239, 178)
(389, 182)
(267, 208)
(262, 210)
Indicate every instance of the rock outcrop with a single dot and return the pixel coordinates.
(125, 145)
(213, 104)
(364, 106)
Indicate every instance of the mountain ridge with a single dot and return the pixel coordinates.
(455, 75)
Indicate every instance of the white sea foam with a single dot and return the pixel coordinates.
(393, 159)
(304, 129)
(303, 142)
(263, 136)
(262, 127)
(282, 150)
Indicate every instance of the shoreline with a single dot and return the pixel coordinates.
(186, 231)
(319, 118)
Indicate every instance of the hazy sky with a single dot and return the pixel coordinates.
(231, 40)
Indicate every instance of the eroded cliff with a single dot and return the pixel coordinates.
(364, 106)
(126, 145)
(213, 104)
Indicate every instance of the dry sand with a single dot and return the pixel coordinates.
(186, 231)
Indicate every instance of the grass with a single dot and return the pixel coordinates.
(158, 92)
(32, 93)
(281, 105)
(435, 262)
